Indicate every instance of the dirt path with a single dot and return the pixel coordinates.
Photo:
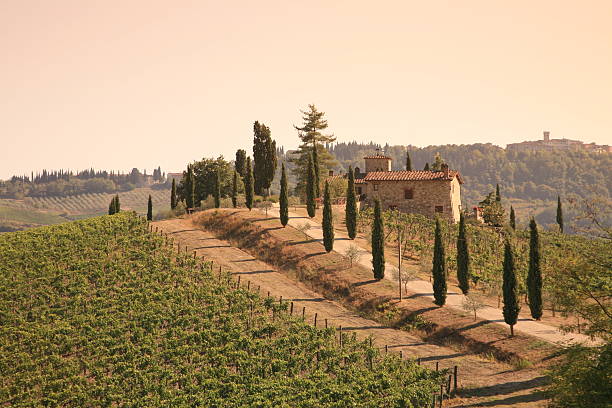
(424, 289)
(484, 382)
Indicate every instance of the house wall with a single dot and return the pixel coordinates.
(377, 164)
(427, 194)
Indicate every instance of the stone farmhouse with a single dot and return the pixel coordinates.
(429, 193)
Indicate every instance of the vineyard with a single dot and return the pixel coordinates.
(101, 312)
(562, 256)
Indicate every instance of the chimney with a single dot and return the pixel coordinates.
(331, 173)
(546, 136)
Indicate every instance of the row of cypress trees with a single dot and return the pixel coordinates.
(511, 302)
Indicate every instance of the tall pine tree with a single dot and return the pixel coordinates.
(264, 158)
(235, 190)
(510, 288)
(217, 190)
(248, 185)
(117, 204)
(312, 137)
(240, 163)
(439, 267)
(283, 199)
(351, 206)
(497, 194)
(559, 214)
(310, 189)
(173, 195)
(408, 162)
(463, 258)
(378, 243)
(150, 209)
(534, 276)
(512, 218)
(328, 220)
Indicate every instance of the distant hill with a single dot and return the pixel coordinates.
(528, 180)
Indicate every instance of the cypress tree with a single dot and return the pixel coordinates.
(173, 195)
(235, 190)
(240, 163)
(408, 162)
(111, 207)
(217, 191)
(189, 188)
(351, 206)
(512, 218)
(328, 220)
(534, 276)
(283, 199)
(249, 185)
(378, 243)
(510, 289)
(264, 158)
(315, 164)
(439, 267)
(150, 209)
(426, 168)
(463, 258)
(559, 214)
(497, 194)
(310, 189)
(117, 204)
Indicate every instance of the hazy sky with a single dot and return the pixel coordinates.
(119, 84)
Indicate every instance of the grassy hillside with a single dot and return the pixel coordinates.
(102, 313)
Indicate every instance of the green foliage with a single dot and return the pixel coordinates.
(217, 190)
(351, 206)
(103, 313)
(534, 275)
(235, 189)
(426, 168)
(312, 138)
(310, 188)
(497, 193)
(492, 211)
(240, 163)
(173, 200)
(187, 187)
(439, 267)
(249, 182)
(378, 243)
(408, 162)
(512, 218)
(559, 214)
(112, 209)
(264, 158)
(463, 258)
(438, 162)
(283, 199)
(150, 209)
(328, 221)
(510, 288)
(583, 379)
(205, 173)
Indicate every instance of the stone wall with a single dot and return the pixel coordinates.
(377, 164)
(426, 195)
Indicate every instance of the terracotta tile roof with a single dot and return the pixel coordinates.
(359, 181)
(411, 175)
(377, 157)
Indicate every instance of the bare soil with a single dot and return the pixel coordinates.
(483, 381)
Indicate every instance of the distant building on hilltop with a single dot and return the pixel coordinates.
(174, 176)
(548, 144)
(429, 193)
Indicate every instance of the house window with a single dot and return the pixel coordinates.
(439, 208)
(375, 187)
(359, 190)
(408, 194)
